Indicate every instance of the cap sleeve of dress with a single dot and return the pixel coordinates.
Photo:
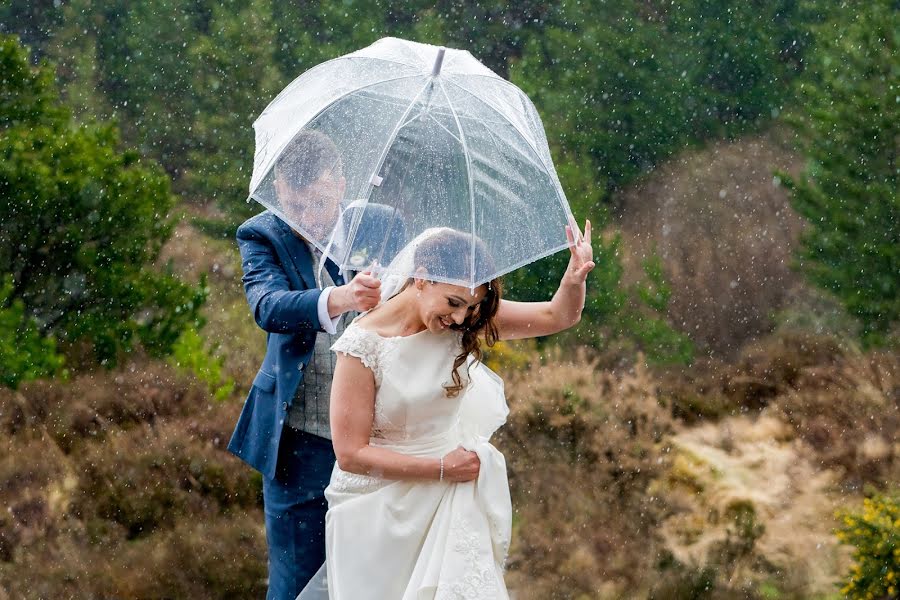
(362, 344)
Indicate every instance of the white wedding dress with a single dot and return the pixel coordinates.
(419, 540)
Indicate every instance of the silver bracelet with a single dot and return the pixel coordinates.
(442, 469)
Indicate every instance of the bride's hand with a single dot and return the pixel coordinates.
(461, 465)
(581, 261)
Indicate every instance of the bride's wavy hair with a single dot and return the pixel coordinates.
(449, 255)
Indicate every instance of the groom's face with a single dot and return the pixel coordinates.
(315, 207)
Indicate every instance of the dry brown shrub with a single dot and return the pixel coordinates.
(582, 446)
(147, 478)
(34, 477)
(779, 359)
(93, 468)
(725, 231)
(699, 392)
(94, 403)
(220, 557)
(849, 413)
(764, 369)
(210, 558)
(192, 254)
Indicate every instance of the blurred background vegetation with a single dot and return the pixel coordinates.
(739, 159)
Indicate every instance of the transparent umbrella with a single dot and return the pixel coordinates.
(364, 153)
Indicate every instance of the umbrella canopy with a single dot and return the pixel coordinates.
(364, 153)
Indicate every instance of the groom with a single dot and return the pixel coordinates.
(283, 430)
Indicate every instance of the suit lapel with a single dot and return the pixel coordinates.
(303, 259)
(299, 254)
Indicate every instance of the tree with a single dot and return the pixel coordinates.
(81, 223)
(630, 83)
(850, 127)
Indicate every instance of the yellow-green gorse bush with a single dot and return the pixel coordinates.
(875, 532)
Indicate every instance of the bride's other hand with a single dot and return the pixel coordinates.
(581, 261)
(461, 465)
(517, 320)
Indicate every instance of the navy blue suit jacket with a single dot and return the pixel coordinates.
(281, 289)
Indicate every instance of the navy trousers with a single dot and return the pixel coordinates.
(295, 510)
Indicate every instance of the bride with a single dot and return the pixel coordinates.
(418, 503)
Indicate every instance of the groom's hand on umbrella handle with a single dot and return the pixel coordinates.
(361, 294)
(363, 291)
(461, 465)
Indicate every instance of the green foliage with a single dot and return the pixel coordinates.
(875, 534)
(495, 31)
(621, 95)
(648, 326)
(34, 20)
(190, 354)
(606, 78)
(645, 321)
(331, 29)
(24, 353)
(850, 125)
(235, 78)
(733, 56)
(80, 222)
(27, 95)
(605, 70)
(657, 293)
(188, 98)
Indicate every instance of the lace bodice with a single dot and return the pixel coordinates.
(365, 345)
(410, 375)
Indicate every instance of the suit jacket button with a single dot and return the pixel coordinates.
(300, 367)
(284, 405)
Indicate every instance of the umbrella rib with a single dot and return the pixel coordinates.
(441, 125)
(462, 140)
(492, 106)
(487, 102)
(390, 142)
(296, 81)
(422, 67)
(313, 118)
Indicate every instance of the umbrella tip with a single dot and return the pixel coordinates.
(438, 62)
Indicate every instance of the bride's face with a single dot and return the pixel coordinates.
(442, 305)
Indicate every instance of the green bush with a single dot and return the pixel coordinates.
(661, 342)
(24, 353)
(81, 223)
(875, 534)
(190, 354)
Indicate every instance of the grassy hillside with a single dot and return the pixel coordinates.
(720, 481)
(717, 480)
(117, 485)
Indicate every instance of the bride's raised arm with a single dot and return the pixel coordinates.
(517, 320)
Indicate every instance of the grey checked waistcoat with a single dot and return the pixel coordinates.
(309, 411)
